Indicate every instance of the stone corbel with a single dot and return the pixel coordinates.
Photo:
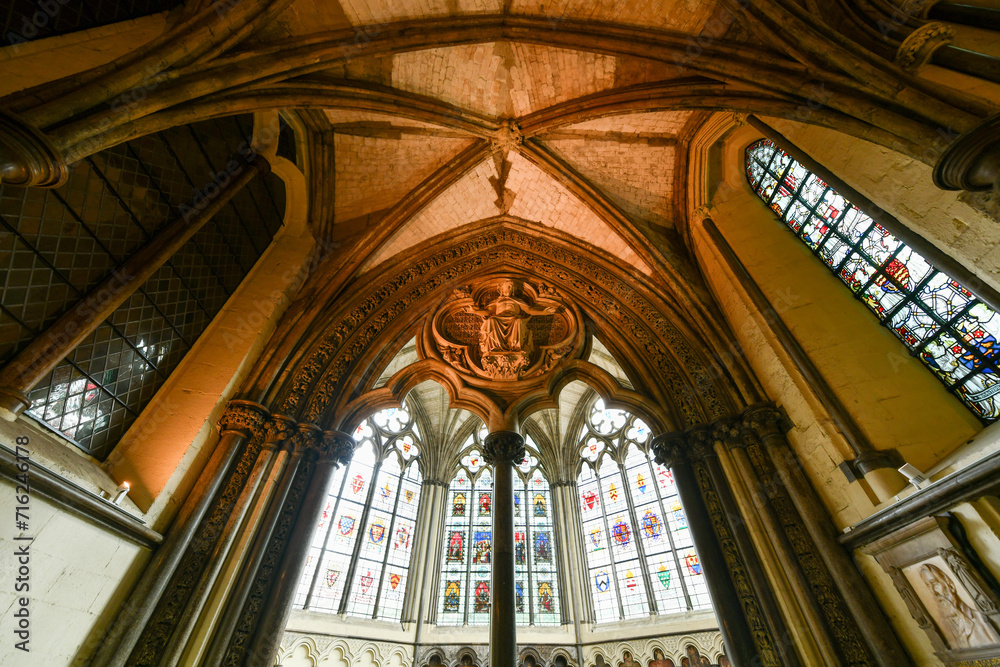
(972, 162)
(27, 157)
(917, 49)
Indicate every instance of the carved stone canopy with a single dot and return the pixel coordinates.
(505, 329)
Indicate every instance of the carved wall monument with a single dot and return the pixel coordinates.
(943, 592)
(505, 330)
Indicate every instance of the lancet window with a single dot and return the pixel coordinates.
(640, 554)
(364, 535)
(941, 322)
(465, 588)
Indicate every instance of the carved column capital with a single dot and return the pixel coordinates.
(920, 45)
(701, 442)
(337, 447)
(765, 419)
(670, 448)
(503, 447)
(279, 429)
(307, 440)
(245, 418)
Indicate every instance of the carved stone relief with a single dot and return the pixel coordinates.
(942, 591)
(504, 330)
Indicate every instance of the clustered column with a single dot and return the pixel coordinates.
(503, 450)
(672, 451)
(263, 462)
(846, 619)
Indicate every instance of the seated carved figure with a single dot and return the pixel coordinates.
(504, 331)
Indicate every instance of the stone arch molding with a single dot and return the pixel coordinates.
(709, 644)
(342, 352)
(301, 650)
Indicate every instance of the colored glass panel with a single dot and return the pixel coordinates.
(941, 321)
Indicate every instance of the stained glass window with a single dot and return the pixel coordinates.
(939, 320)
(640, 555)
(464, 595)
(364, 535)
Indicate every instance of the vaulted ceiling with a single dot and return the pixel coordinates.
(580, 173)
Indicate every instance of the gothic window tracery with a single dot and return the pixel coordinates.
(635, 531)
(938, 319)
(365, 534)
(464, 592)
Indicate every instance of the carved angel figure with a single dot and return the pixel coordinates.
(505, 322)
(964, 626)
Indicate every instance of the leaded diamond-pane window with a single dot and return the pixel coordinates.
(57, 245)
(940, 320)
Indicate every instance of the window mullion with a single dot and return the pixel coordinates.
(326, 542)
(611, 553)
(640, 547)
(356, 550)
(670, 540)
(388, 537)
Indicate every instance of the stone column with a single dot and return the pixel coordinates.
(503, 450)
(36, 361)
(769, 425)
(671, 451)
(744, 544)
(282, 431)
(258, 632)
(278, 429)
(183, 554)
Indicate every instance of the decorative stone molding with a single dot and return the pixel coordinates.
(245, 418)
(29, 158)
(326, 366)
(503, 446)
(674, 647)
(315, 649)
(917, 49)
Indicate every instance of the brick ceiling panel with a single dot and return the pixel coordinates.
(364, 12)
(373, 173)
(638, 176)
(683, 15)
(540, 198)
(659, 122)
(471, 76)
(470, 199)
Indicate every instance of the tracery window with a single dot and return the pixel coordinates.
(937, 318)
(640, 554)
(379, 490)
(464, 595)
